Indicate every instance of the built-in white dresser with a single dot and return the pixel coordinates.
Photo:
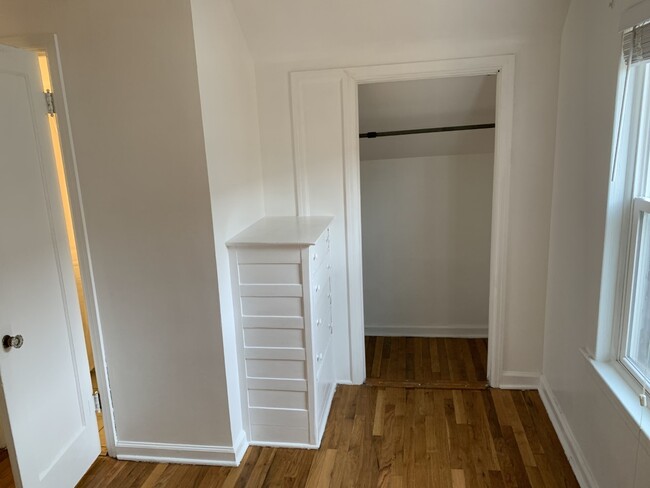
(283, 306)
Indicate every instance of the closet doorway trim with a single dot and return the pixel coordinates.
(503, 66)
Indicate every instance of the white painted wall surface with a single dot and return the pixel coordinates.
(230, 125)
(426, 244)
(586, 107)
(339, 34)
(131, 77)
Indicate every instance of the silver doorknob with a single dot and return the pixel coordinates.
(12, 341)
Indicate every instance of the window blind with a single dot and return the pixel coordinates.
(636, 44)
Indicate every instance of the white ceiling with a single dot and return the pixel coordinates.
(427, 103)
(290, 30)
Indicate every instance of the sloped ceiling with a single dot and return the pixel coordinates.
(290, 30)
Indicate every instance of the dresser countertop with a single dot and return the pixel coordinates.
(282, 231)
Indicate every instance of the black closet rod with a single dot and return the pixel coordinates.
(453, 128)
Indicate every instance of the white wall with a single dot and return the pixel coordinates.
(231, 131)
(586, 107)
(426, 244)
(288, 35)
(133, 94)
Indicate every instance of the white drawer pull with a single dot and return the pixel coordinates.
(318, 322)
(319, 357)
(315, 257)
(317, 289)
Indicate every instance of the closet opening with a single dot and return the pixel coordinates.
(426, 153)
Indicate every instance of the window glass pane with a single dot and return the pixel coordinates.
(639, 333)
(642, 186)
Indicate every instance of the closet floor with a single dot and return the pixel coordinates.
(423, 362)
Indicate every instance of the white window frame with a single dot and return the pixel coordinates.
(640, 211)
(634, 134)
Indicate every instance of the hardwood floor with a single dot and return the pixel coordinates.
(426, 362)
(6, 477)
(390, 437)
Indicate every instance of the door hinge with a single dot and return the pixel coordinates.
(98, 402)
(49, 101)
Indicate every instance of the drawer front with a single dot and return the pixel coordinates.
(273, 434)
(278, 416)
(274, 338)
(320, 285)
(322, 311)
(321, 328)
(324, 387)
(275, 368)
(320, 356)
(270, 274)
(319, 253)
(272, 306)
(268, 255)
(277, 399)
(276, 425)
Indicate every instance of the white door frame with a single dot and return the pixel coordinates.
(503, 66)
(47, 44)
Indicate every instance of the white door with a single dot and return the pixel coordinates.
(49, 418)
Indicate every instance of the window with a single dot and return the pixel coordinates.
(632, 179)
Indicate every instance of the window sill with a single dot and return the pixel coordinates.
(618, 386)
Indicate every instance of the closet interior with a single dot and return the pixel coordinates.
(427, 157)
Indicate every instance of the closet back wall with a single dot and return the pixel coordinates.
(426, 245)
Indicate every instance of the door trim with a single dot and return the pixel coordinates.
(48, 44)
(503, 66)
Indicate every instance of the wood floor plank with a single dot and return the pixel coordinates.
(378, 423)
(261, 467)
(457, 478)
(153, 477)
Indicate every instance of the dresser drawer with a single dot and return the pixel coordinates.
(320, 285)
(320, 252)
(277, 399)
(268, 255)
(321, 329)
(321, 358)
(324, 389)
(271, 306)
(273, 338)
(322, 311)
(275, 369)
(270, 274)
(279, 435)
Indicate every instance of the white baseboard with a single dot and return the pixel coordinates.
(240, 446)
(328, 407)
(182, 453)
(435, 330)
(571, 447)
(519, 380)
